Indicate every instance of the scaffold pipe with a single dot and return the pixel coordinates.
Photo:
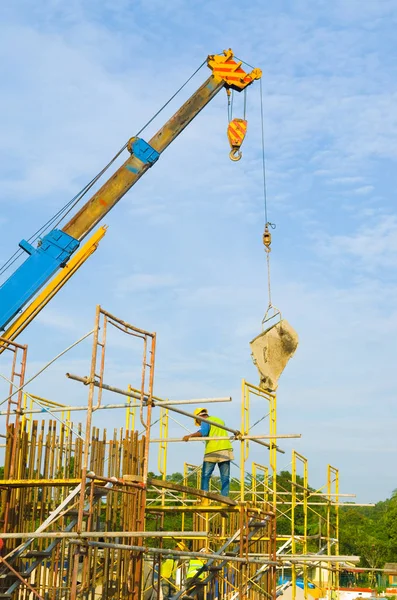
(104, 534)
(179, 553)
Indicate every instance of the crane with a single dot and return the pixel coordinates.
(55, 250)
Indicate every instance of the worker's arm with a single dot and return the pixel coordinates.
(204, 431)
(198, 433)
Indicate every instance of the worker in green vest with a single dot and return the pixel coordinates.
(194, 578)
(218, 452)
(168, 576)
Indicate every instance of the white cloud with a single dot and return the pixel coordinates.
(58, 321)
(374, 244)
(364, 190)
(345, 180)
(144, 282)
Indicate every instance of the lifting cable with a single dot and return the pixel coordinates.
(267, 236)
(230, 99)
(61, 213)
(69, 206)
(230, 103)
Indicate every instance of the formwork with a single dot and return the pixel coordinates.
(83, 517)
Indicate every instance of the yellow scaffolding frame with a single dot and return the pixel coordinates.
(333, 530)
(247, 390)
(130, 411)
(188, 471)
(263, 489)
(162, 451)
(255, 482)
(296, 457)
(44, 403)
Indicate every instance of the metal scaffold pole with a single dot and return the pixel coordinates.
(96, 521)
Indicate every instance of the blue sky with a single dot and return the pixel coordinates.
(183, 253)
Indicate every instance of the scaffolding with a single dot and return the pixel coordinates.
(83, 517)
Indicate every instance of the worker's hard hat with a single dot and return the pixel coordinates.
(199, 411)
(203, 550)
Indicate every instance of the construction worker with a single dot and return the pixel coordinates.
(168, 576)
(194, 578)
(218, 452)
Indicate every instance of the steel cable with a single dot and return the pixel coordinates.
(68, 207)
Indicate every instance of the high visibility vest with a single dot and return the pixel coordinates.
(214, 445)
(168, 568)
(195, 565)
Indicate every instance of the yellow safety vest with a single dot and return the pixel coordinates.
(214, 445)
(195, 565)
(168, 568)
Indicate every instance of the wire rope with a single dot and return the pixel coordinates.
(267, 235)
(71, 204)
(263, 156)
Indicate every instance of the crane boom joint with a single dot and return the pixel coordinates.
(142, 151)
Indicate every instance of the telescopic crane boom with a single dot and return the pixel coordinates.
(54, 250)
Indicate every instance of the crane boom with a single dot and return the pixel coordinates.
(56, 247)
(143, 156)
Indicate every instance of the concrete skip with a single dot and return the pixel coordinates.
(271, 350)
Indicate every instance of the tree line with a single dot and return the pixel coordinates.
(369, 532)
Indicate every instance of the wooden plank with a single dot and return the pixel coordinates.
(17, 483)
(176, 487)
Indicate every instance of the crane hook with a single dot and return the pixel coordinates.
(236, 131)
(235, 154)
(267, 238)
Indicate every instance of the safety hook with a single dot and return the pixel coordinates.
(235, 154)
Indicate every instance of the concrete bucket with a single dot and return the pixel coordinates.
(271, 350)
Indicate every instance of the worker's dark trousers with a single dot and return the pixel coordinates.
(198, 587)
(224, 470)
(167, 588)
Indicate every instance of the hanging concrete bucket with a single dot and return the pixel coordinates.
(271, 350)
